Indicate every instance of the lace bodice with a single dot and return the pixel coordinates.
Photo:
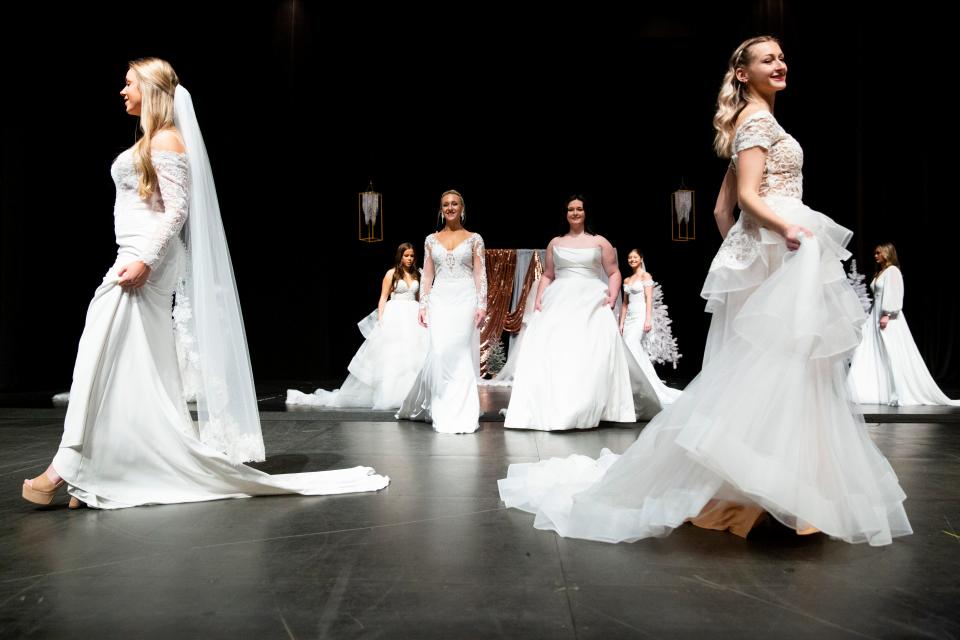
(169, 200)
(638, 301)
(403, 291)
(783, 170)
(466, 260)
(782, 176)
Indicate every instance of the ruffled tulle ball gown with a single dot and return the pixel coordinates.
(887, 367)
(574, 370)
(128, 435)
(767, 425)
(386, 364)
(640, 342)
(454, 287)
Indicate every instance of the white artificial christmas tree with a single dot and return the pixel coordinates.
(856, 280)
(659, 342)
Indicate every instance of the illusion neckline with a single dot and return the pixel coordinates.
(456, 246)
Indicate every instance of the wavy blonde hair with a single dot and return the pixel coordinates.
(890, 259)
(733, 97)
(157, 82)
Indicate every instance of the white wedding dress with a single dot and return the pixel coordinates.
(128, 436)
(574, 370)
(887, 367)
(768, 422)
(386, 364)
(454, 287)
(635, 338)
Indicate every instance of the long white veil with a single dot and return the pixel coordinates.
(208, 317)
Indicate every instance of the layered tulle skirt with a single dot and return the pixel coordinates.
(384, 367)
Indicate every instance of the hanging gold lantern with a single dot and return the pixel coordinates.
(683, 214)
(371, 215)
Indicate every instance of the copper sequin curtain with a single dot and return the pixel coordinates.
(501, 266)
(514, 321)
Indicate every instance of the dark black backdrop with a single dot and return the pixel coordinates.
(301, 103)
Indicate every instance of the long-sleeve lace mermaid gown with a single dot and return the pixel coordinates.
(128, 436)
(454, 286)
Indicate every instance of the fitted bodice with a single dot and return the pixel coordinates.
(577, 262)
(782, 178)
(455, 266)
(146, 227)
(783, 168)
(403, 291)
(456, 263)
(638, 300)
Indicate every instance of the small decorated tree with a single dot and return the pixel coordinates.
(496, 359)
(856, 280)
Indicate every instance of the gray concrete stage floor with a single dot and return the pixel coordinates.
(436, 555)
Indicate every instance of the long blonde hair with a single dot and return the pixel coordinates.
(890, 259)
(156, 81)
(733, 97)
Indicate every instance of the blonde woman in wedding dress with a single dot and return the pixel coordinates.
(128, 436)
(453, 306)
(887, 367)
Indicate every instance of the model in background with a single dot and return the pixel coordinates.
(386, 364)
(453, 306)
(887, 367)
